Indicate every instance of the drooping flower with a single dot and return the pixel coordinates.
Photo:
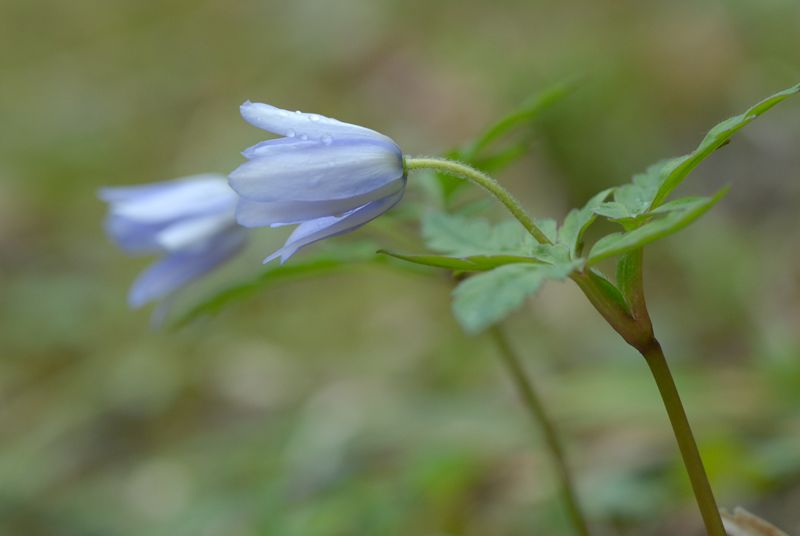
(327, 176)
(190, 221)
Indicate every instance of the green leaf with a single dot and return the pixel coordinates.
(472, 153)
(486, 298)
(478, 263)
(614, 211)
(526, 113)
(549, 227)
(681, 215)
(578, 221)
(674, 171)
(326, 262)
(607, 287)
(464, 237)
(500, 159)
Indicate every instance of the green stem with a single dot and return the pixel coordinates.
(686, 443)
(631, 320)
(464, 171)
(537, 411)
(637, 329)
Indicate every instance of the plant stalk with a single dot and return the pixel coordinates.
(464, 171)
(533, 404)
(629, 317)
(635, 326)
(686, 443)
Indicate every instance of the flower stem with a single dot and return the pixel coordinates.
(633, 323)
(686, 443)
(537, 411)
(464, 171)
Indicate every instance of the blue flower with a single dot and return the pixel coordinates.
(190, 221)
(327, 176)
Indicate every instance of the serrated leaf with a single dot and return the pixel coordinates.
(552, 253)
(614, 211)
(633, 198)
(676, 170)
(549, 227)
(619, 243)
(479, 263)
(578, 221)
(486, 298)
(464, 237)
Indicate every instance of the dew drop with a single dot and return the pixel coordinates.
(290, 133)
(304, 137)
(313, 118)
(327, 140)
(298, 112)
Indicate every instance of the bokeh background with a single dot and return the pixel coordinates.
(350, 403)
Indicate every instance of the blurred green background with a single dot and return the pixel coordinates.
(351, 403)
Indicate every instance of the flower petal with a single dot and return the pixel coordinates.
(318, 172)
(193, 233)
(179, 268)
(133, 237)
(265, 148)
(321, 228)
(170, 200)
(291, 124)
(260, 214)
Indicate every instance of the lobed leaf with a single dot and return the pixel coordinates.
(673, 172)
(577, 222)
(464, 237)
(486, 298)
(677, 217)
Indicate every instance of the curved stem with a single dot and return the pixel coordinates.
(537, 411)
(686, 443)
(463, 171)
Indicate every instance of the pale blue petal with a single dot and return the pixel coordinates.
(192, 233)
(260, 214)
(298, 124)
(178, 269)
(132, 237)
(321, 228)
(171, 200)
(112, 194)
(264, 148)
(319, 172)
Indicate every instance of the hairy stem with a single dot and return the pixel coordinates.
(464, 171)
(537, 411)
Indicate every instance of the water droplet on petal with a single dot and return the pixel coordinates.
(313, 118)
(304, 137)
(327, 140)
(290, 133)
(298, 112)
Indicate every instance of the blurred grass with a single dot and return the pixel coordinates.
(351, 404)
